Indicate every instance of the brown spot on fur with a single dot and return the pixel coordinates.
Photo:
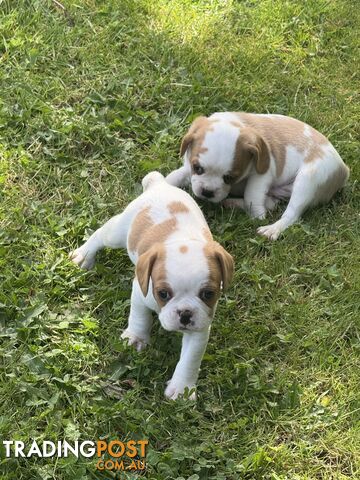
(279, 132)
(314, 152)
(140, 224)
(177, 207)
(194, 138)
(183, 249)
(158, 233)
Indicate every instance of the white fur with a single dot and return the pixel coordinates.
(300, 181)
(186, 273)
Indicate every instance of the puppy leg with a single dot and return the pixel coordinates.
(303, 195)
(179, 177)
(187, 370)
(112, 234)
(255, 195)
(140, 320)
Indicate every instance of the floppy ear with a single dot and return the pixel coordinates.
(226, 263)
(185, 143)
(260, 152)
(144, 268)
(251, 147)
(189, 137)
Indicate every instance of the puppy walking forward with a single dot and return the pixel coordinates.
(262, 159)
(180, 270)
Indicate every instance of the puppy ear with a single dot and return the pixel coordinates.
(144, 268)
(226, 263)
(189, 137)
(185, 143)
(261, 154)
(251, 147)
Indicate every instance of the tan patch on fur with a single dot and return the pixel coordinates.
(145, 233)
(146, 238)
(158, 233)
(140, 224)
(194, 138)
(314, 153)
(183, 249)
(280, 132)
(177, 207)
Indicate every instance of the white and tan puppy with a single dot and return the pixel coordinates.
(180, 271)
(262, 158)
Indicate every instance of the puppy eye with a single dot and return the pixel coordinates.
(198, 169)
(206, 295)
(164, 295)
(228, 179)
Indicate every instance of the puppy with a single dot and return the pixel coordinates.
(180, 271)
(262, 158)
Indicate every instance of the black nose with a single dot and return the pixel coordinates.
(185, 317)
(207, 193)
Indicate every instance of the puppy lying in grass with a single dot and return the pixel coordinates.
(180, 271)
(263, 159)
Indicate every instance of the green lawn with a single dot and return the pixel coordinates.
(92, 99)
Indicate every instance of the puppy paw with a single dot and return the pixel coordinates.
(258, 215)
(176, 389)
(272, 232)
(134, 340)
(234, 203)
(82, 258)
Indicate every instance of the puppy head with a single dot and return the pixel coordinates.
(222, 153)
(186, 282)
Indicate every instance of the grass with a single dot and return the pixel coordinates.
(91, 100)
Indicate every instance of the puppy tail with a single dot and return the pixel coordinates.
(150, 179)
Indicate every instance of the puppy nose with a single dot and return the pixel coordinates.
(185, 317)
(207, 193)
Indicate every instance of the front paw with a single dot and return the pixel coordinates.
(82, 258)
(176, 389)
(134, 340)
(272, 232)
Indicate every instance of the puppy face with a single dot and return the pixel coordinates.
(222, 153)
(186, 282)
